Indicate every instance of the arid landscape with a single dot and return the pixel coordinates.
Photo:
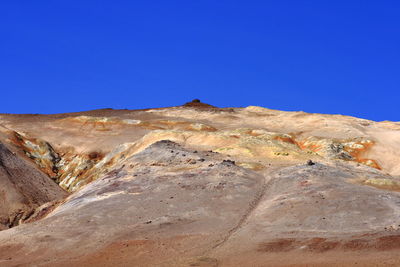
(198, 185)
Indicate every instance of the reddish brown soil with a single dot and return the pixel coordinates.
(367, 250)
(319, 244)
(177, 251)
(279, 245)
(186, 251)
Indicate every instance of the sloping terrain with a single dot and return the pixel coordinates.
(146, 202)
(199, 186)
(23, 188)
(317, 209)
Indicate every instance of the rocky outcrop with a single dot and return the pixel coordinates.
(22, 188)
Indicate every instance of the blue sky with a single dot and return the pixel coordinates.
(340, 57)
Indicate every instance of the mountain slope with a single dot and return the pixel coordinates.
(202, 186)
(22, 188)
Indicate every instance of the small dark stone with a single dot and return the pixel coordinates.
(196, 100)
(201, 160)
(229, 162)
(310, 163)
(148, 222)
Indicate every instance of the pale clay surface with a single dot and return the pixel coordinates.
(231, 187)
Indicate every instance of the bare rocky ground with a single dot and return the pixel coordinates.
(198, 186)
(22, 188)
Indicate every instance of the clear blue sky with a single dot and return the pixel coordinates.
(316, 56)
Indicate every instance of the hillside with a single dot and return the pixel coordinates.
(197, 185)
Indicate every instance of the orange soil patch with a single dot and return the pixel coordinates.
(285, 139)
(311, 147)
(358, 150)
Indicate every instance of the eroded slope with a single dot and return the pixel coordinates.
(170, 203)
(234, 188)
(23, 188)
